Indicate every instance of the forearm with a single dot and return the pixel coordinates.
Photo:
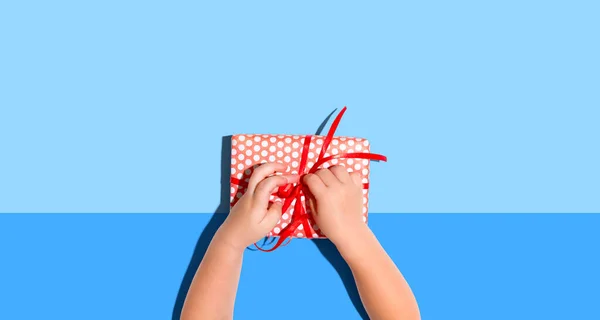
(383, 290)
(213, 290)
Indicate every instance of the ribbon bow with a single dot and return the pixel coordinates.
(295, 191)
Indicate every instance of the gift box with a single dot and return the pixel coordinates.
(302, 154)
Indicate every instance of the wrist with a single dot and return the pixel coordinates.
(222, 240)
(354, 242)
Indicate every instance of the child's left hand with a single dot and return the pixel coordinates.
(253, 216)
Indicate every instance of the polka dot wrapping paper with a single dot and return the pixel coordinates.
(250, 150)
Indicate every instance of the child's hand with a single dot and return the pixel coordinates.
(337, 203)
(252, 217)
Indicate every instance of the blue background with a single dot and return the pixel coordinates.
(460, 266)
(120, 107)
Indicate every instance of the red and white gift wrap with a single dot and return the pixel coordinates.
(302, 154)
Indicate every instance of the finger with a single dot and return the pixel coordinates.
(272, 217)
(291, 178)
(263, 190)
(262, 172)
(312, 204)
(356, 178)
(314, 184)
(341, 173)
(328, 177)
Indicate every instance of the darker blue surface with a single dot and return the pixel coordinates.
(460, 266)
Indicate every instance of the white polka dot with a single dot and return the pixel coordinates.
(334, 161)
(294, 171)
(334, 151)
(310, 164)
(315, 235)
(311, 155)
(257, 138)
(272, 139)
(351, 143)
(239, 175)
(248, 152)
(264, 153)
(232, 170)
(276, 230)
(239, 195)
(280, 144)
(358, 147)
(280, 136)
(364, 200)
(234, 142)
(287, 149)
(319, 141)
(296, 137)
(295, 144)
(233, 152)
(300, 227)
(365, 180)
(365, 191)
(271, 158)
(256, 157)
(295, 154)
(248, 162)
(325, 165)
(285, 216)
(264, 143)
(287, 159)
(366, 143)
(256, 148)
(365, 171)
(300, 234)
(342, 147)
(327, 154)
(280, 153)
(283, 225)
(241, 156)
(248, 142)
(335, 142)
(343, 139)
(294, 164)
(364, 209)
(365, 162)
(312, 145)
(288, 140)
(357, 166)
(247, 172)
(242, 138)
(364, 219)
(233, 161)
(272, 148)
(350, 161)
(241, 147)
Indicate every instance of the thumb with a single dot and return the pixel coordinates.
(273, 215)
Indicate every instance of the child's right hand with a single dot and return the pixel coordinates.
(336, 203)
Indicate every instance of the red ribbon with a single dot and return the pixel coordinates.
(295, 191)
